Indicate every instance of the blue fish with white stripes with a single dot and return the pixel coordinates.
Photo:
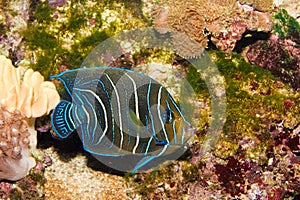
(124, 118)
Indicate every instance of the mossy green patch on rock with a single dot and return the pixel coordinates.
(43, 13)
(255, 99)
(225, 149)
(170, 182)
(151, 180)
(285, 25)
(65, 35)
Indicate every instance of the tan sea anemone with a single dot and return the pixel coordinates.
(183, 17)
(225, 21)
(24, 97)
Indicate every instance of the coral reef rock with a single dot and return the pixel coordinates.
(280, 56)
(24, 97)
(13, 20)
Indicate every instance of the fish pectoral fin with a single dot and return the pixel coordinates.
(161, 143)
(61, 119)
(137, 121)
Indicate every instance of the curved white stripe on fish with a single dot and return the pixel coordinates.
(148, 145)
(94, 117)
(104, 111)
(87, 114)
(137, 112)
(70, 115)
(159, 114)
(119, 110)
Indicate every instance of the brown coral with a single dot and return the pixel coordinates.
(15, 160)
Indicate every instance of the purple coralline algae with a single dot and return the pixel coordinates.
(56, 3)
(13, 21)
(280, 56)
(280, 53)
(247, 179)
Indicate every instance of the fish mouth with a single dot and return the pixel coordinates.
(186, 127)
(191, 131)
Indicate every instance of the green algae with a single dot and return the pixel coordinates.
(65, 35)
(153, 55)
(247, 87)
(254, 101)
(134, 7)
(28, 188)
(170, 182)
(196, 82)
(43, 13)
(15, 194)
(40, 38)
(285, 25)
(151, 180)
(190, 173)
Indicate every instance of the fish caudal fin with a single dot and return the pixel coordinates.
(61, 119)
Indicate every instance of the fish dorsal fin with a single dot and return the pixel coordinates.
(68, 79)
(62, 121)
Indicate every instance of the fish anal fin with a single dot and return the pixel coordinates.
(147, 158)
(144, 161)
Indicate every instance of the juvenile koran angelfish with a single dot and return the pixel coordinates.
(124, 118)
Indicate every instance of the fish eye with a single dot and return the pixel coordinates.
(168, 116)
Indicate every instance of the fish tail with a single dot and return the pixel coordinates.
(61, 119)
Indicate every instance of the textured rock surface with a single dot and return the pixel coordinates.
(75, 180)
